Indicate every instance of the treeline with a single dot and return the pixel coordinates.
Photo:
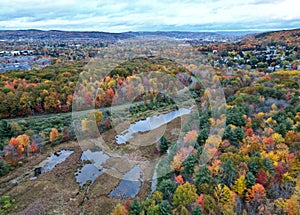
(48, 90)
(51, 89)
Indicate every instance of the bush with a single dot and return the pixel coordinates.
(5, 204)
(4, 168)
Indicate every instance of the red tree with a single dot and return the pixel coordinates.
(261, 177)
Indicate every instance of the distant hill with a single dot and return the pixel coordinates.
(55, 34)
(177, 34)
(283, 37)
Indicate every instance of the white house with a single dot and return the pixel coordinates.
(15, 53)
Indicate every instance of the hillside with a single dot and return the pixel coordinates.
(67, 35)
(54, 35)
(283, 37)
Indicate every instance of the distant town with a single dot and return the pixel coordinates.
(25, 50)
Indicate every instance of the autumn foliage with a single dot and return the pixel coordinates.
(256, 193)
(53, 134)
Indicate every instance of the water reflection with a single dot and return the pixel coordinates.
(54, 159)
(150, 123)
(91, 171)
(130, 184)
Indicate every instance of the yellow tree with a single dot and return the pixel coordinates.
(176, 164)
(222, 194)
(185, 194)
(277, 138)
(53, 134)
(119, 210)
(157, 196)
(24, 141)
(240, 185)
(96, 116)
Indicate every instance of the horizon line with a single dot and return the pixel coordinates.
(153, 31)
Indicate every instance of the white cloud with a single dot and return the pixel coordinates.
(119, 15)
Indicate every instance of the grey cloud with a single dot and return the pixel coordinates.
(193, 15)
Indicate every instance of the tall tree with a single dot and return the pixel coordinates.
(165, 208)
(167, 187)
(229, 172)
(163, 144)
(189, 163)
(202, 176)
(135, 207)
(184, 195)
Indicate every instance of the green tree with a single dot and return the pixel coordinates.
(202, 137)
(254, 165)
(202, 176)
(5, 129)
(262, 65)
(281, 129)
(250, 179)
(227, 133)
(15, 129)
(253, 61)
(135, 207)
(153, 210)
(163, 144)
(239, 134)
(189, 163)
(165, 208)
(233, 135)
(5, 204)
(197, 210)
(5, 133)
(268, 165)
(167, 187)
(209, 203)
(229, 172)
(4, 168)
(235, 116)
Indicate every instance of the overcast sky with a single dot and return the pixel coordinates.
(152, 15)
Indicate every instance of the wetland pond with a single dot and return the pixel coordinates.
(130, 184)
(54, 159)
(93, 162)
(91, 171)
(130, 181)
(150, 123)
